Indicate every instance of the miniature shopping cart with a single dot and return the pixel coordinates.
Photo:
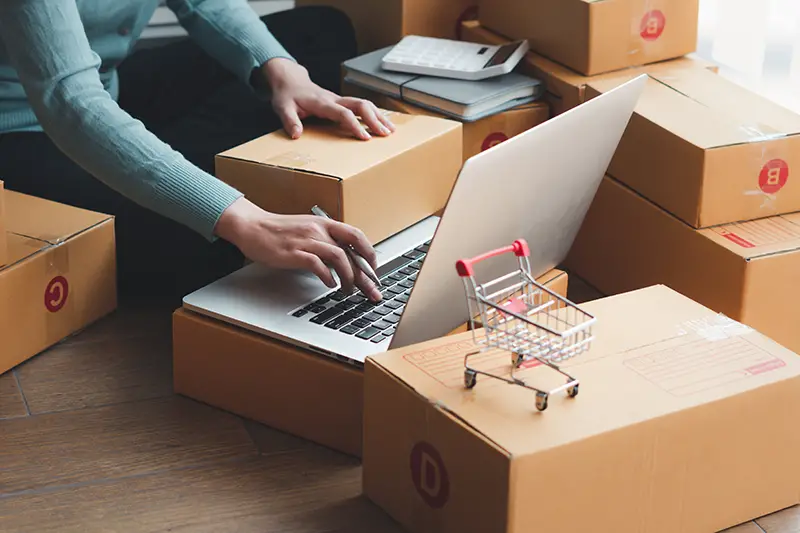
(517, 314)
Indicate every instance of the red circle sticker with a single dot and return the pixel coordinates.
(493, 139)
(55, 295)
(773, 176)
(471, 13)
(429, 475)
(652, 25)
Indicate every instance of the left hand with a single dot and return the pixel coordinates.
(295, 97)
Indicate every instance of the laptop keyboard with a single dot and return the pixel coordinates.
(357, 316)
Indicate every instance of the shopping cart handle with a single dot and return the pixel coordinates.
(465, 267)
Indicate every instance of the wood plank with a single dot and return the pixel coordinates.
(269, 440)
(110, 442)
(133, 319)
(76, 375)
(786, 521)
(11, 402)
(299, 492)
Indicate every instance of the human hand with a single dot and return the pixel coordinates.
(296, 97)
(304, 242)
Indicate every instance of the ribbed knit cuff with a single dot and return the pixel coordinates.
(262, 46)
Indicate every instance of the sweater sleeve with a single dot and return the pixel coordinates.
(230, 32)
(47, 45)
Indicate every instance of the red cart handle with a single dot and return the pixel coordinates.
(465, 267)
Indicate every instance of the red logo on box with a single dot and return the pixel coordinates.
(773, 176)
(653, 25)
(429, 475)
(471, 13)
(56, 293)
(493, 139)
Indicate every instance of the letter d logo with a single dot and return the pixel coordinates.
(429, 475)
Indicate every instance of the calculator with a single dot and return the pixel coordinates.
(445, 58)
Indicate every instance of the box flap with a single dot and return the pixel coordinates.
(706, 109)
(759, 238)
(47, 221)
(664, 352)
(20, 248)
(327, 150)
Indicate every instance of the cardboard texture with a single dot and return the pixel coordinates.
(60, 276)
(598, 36)
(383, 23)
(257, 378)
(708, 150)
(565, 87)
(351, 179)
(3, 238)
(680, 413)
(479, 135)
(749, 271)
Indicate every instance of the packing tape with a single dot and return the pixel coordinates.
(716, 328)
(290, 159)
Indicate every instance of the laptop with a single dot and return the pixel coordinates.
(537, 186)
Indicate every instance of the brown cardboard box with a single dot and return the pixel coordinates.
(680, 414)
(60, 276)
(748, 271)
(708, 150)
(3, 238)
(257, 377)
(415, 166)
(479, 135)
(565, 87)
(596, 36)
(383, 23)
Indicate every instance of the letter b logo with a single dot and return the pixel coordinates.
(429, 475)
(773, 176)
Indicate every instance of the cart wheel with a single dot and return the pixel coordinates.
(541, 401)
(470, 378)
(572, 391)
(517, 359)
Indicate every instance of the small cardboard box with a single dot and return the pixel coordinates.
(595, 36)
(749, 271)
(60, 276)
(257, 377)
(380, 186)
(383, 23)
(3, 238)
(708, 150)
(479, 135)
(680, 414)
(565, 87)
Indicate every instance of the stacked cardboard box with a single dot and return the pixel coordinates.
(694, 199)
(60, 275)
(3, 239)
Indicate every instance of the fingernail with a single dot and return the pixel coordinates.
(385, 130)
(295, 132)
(365, 134)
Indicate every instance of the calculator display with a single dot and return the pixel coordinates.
(502, 55)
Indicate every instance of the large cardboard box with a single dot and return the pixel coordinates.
(566, 88)
(479, 135)
(681, 413)
(60, 276)
(749, 271)
(3, 239)
(381, 23)
(708, 150)
(595, 36)
(380, 186)
(292, 390)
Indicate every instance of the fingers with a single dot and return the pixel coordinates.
(366, 286)
(289, 115)
(344, 117)
(314, 264)
(334, 256)
(370, 114)
(346, 234)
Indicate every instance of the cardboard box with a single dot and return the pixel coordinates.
(748, 271)
(680, 414)
(708, 150)
(594, 37)
(257, 377)
(3, 238)
(60, 276)
(383, 23)
(352, 180)
(479, 135)
(565, 87)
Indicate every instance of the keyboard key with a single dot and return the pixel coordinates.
(368, 333)
(382, 325)
(389, 332)
(361, 323)
(339, 321)
(413, 277)
(408, 271)
(345, 305)
(388, 281)
(416, 266)
(407, 284)
(413, 254)
(391, 266)
(299, 313)
(399, 310)
(387, 294)
(397, 277)
(423, 248)
(402, 298)
(378, 339)
(383, 311)
(326, 315)
(323, 300)
(392, 319)
(337, 296)
(394, 305)
(397, 289)
(318, 309)
(372, 317)
(357, 299)
(350, 330)
(365, 307)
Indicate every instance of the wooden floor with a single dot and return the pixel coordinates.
(93, 439)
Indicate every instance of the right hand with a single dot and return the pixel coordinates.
(306, 242)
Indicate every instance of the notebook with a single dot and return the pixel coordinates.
(463, 100)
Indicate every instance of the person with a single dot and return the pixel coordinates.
(87, 121)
